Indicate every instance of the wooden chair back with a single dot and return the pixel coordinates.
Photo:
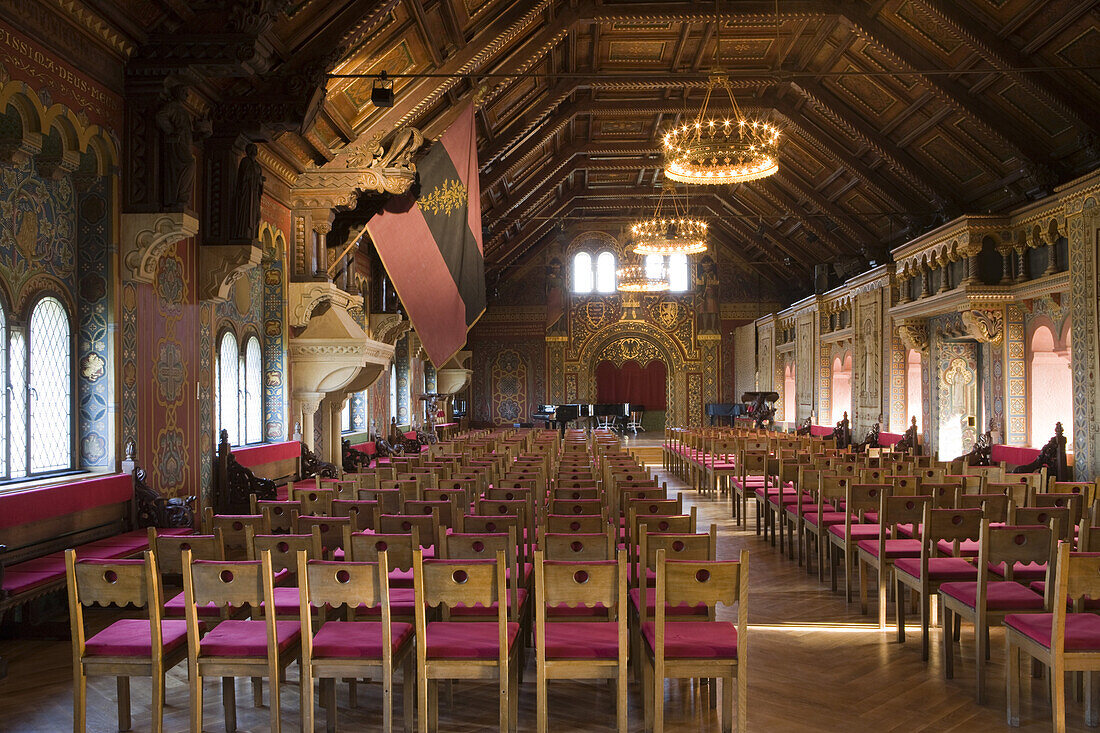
(279, 516)
(590, 493)
(953, 525)
(1074, 502)
(169, 549)
(426, 525)
(1011, 544)
(315, 502)
(232, 528)
(363, 513)
(398, 548)
(995, 507)
(449, 583)
(284, 548)
(331, 530)
(577, 507)
(582, 523)
(443, 509)
(1032, 515)
(578, 547)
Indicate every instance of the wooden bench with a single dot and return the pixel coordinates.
(101, 517)
(264, 470)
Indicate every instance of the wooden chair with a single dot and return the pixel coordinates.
(584, 523)
(363, 512)
(1063, 642)
(128, 647)
(985, 602)
(581, 649)
(859, 500)
(880, 553)
(426, 525)
(348, 648)
(279, 516)
(236, 647)
(753, 465)
(232, 528)
(447, 649)
(169, 552)
(925, 574)
(578, 547)
(698, 649)
(331, 530)
(315, 502)
(284, 549)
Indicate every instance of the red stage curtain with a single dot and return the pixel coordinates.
(632, 383)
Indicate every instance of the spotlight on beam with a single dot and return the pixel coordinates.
(381, 94)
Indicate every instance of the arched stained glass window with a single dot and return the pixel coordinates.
(582, 273)
(605, 273)
(253, 391)
(50, 391)
(678, 273)
(17, 407)
(393, 395)
(229, 388)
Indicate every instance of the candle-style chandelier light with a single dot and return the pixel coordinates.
(642, 277)
(727, 148)
(669, 231)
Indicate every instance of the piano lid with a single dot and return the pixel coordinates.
(753, 396)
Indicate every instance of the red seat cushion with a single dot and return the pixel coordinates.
(858, 531)
(894, 548)
(402, 603)
(54, 562)
(942, 569)
(491, 609)
(828, 518)
(176, 608)
(1000, 595)
(564, 611)
(582, 640)
(967, 548)
(357, 639)
(680, 609)
(1022, 571)
(465, 639)
(132, 637)
(287, 601)
(18, 581)
(1082, 629)
(695, 639)
(247, 638)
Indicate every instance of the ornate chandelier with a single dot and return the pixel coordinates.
(671, 233)
(731, 148)
(642, 278)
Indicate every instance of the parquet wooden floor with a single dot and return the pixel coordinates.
(814, 665)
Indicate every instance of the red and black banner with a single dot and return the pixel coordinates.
(432, 248)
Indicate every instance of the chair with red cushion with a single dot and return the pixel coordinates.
(363, 512)
(925, 574)
(284, 549)
(144, 647)
(753, 470)
(859, 501)
(169, 551)
(368, 546)
(279, 516)
(699, 648)
(880, 553)
(251, 647)
(350, 649)
(1053, 516)
(585, 649)
(1060, 640)
(233, 526)
(448, 649)
(330, 528)
(827, 510)
(988, 600)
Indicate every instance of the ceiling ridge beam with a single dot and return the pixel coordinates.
(1003, 57)
(945, 89)
(828, 208)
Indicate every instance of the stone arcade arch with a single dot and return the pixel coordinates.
(599, 346)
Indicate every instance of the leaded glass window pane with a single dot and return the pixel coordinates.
(393, 393)
(228, 389)
(582, 273)
(345, 416)
(253, 391)
(605, 273)
(17, 363)
(50, 390)
(677, 273)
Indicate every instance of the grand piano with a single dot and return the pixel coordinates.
(719, 411)
(560, 416)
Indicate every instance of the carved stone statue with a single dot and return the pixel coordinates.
(708, 295)
(247, 192)
(178, 135)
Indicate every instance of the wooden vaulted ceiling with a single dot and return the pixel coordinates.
(896, 114)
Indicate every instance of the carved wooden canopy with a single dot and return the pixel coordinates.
(896, 114)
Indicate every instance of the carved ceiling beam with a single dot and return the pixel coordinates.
(909, 57)
(1004, 57)
(421, 94)
(772, 189)
(360, 31)
(823, 102)
(533, 119)
(828, 207)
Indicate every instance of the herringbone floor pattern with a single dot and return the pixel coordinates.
(814, 665)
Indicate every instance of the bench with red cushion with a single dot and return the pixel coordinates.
(92, 515)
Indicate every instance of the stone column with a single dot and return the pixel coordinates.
(306, 405)
(320, 248)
